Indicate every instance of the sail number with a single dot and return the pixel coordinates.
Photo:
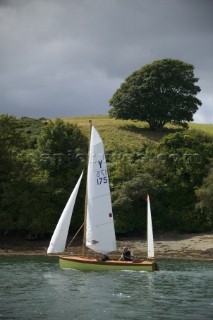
(102, 176)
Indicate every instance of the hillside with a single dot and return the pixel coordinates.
(127, 132)
(174, 166)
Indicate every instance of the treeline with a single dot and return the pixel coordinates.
(39, 166)
(41, 160)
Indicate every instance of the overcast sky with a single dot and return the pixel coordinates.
(67, 57)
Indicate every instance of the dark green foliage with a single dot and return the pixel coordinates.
(184, 158)
(59, 146)
(130, 205)
(31, 128)
(32, 196)
(158, 93)
(12, 143)
(170, 172)
(205, 204)
(175, 170)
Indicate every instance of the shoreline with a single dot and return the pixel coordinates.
(177, 246)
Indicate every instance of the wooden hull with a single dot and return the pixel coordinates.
(89, 264)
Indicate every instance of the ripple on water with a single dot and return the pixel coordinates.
(35, 288)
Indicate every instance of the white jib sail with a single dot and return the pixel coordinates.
(100, 232)
(59, 238)
(150, 240)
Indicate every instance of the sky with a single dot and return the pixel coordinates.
(61, 58)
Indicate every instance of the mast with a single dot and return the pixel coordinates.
(86, 196)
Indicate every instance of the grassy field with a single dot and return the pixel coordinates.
(119, 133)
(208, 128)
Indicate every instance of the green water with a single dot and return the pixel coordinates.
(35, 288)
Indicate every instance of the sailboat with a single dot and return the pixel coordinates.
(99, 231)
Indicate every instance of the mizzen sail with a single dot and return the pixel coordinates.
(150, 240)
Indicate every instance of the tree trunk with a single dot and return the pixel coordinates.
(156, 124)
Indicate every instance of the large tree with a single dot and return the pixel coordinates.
(158, 93)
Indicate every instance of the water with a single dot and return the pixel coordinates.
(35, 288)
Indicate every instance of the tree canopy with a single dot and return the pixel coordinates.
(204, 194)
(158, 93)
(11, 144)
(40, 163)
(59, 144)
(36, 178)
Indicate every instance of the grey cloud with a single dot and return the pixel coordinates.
(67, 57)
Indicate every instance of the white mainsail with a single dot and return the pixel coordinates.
(150, 240)
(58, 240)
(100, 233)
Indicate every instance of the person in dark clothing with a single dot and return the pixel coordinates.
(126, 255)
(104, 257)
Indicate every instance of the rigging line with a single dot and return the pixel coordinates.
(75, 235)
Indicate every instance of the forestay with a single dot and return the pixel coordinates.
(100, 233)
